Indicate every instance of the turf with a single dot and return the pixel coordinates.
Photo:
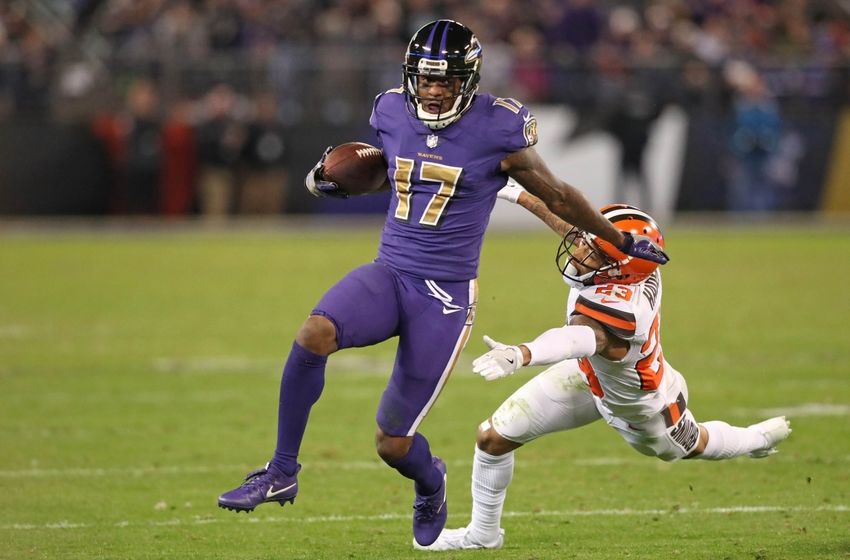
(139, 377)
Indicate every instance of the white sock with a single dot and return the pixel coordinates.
(725, 441)
(491, 475)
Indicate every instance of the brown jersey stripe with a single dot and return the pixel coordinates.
(674, 412)
(619, 322)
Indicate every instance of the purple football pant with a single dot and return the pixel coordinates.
(432, 320)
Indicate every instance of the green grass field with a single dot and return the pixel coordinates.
(139, 379)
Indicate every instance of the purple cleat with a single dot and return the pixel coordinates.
(261, 486)
(430, 512)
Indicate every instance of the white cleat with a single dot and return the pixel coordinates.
(459, 539)
(774, 430)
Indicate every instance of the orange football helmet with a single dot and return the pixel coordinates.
(585, 259)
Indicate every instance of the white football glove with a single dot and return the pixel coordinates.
(501, 361)
(510, 192)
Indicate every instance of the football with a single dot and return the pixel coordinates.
(357, 168)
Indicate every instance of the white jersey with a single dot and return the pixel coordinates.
(632, 388)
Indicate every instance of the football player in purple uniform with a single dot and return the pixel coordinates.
(449, 150)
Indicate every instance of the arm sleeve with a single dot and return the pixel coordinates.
(555, 345)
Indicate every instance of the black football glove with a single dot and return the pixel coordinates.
(317, 186)
(643, 247)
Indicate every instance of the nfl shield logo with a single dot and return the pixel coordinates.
(432, 140)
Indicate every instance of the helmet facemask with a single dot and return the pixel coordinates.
(442, 50)
(435, 121)
(585, 259)
(582, 262)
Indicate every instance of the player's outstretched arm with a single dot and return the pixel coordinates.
(583, 337)
(512, 192)
(607, 345)
(568, 203)
(562, 199)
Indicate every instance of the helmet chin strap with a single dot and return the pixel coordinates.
(441, 121)
(574, 279)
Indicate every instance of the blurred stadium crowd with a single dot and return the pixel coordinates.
(192, 97)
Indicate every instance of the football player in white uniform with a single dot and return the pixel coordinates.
(608, 364)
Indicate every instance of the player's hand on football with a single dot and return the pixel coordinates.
(643, 247)
(317, 186)
(502, 360)
(510, 192)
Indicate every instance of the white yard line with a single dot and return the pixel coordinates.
(377, 366)
(13, 331)
(799, 410)
(95, 472)
(197, 520)
(177, 470)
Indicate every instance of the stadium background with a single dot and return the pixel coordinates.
(141, 344)
(187, 107)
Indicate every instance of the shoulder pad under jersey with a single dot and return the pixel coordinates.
(513, 121)
(617, 307)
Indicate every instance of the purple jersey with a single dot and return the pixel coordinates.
(445, 182)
